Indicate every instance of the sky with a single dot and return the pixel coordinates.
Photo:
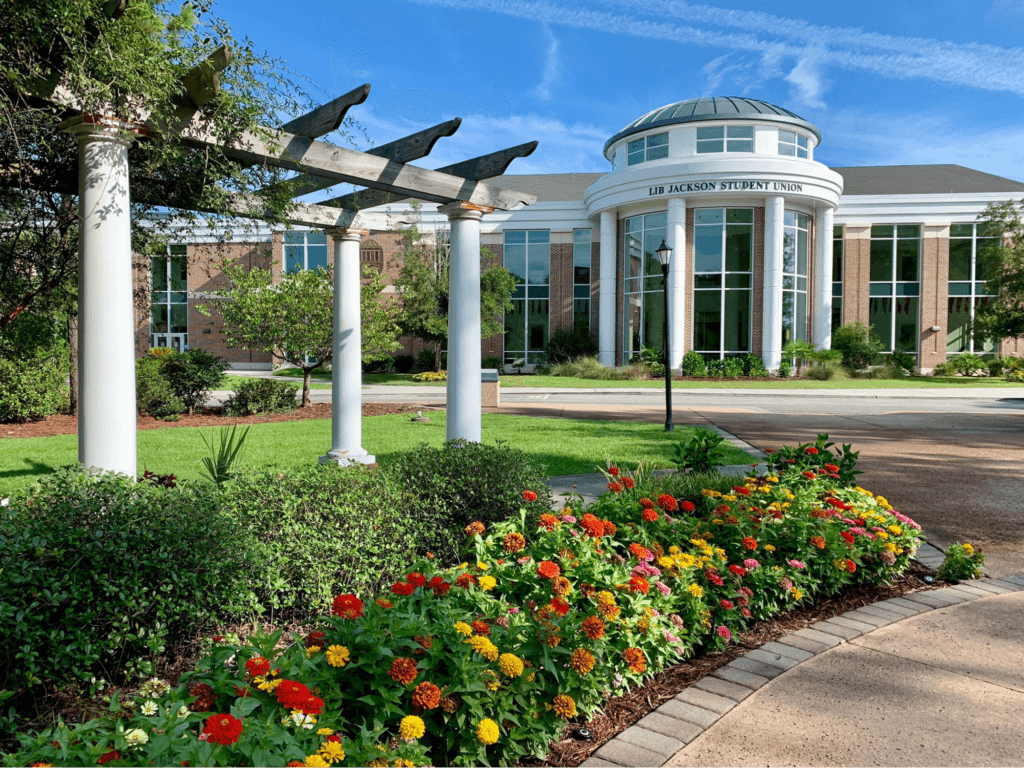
(886, 83)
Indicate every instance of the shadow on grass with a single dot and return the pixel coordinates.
(33, 468)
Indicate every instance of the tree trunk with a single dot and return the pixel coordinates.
(437, 356)
(305, 386)
(73, 362)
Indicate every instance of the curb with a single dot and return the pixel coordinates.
(654, 739)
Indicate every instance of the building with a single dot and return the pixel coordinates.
(768, 245)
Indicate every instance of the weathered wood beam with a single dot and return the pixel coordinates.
(483, 167)
(404, 150)
(201, 83)
(327, 117)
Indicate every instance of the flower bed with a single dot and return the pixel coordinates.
(486, 662)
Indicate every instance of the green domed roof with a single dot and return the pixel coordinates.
(714, 108)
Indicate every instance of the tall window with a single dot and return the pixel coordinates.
(837, 276)
(581, 279)
(371, 255)
(968, 271)
(648, 148)
(723, 248)
(169, 309)
(794, 277)
(792, 144)
(644, 324)
(893, 308)
(527, 255)
(725, 138)
(304, 250)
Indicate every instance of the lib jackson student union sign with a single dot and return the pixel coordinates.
(725, 186)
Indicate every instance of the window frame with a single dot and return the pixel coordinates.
(800, 144)
(723, 288)
(897, 289)
(795, 278)
(175, 339)
(581, 249)
(647, 148)
(529, 294)
(730, 139)
(973, 295)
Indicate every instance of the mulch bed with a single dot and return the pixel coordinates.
(208, 417)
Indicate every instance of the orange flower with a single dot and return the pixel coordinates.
(593, 627)
(668, 503)
(592, 526)
(615, 487)
(635, 660)
(475, 529)
(582, 661)
(427, 696)
(548, 522)
(818, 542)
(529, 496)
(561, 585)
(649, 515)
(548, 570)
(513, 542)
(403, 671)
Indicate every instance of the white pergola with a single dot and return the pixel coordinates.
(107, 407)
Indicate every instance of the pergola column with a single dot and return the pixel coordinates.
(347, 356)
(677, 279)
(106, 311)
(774, 231)
(464, 338)
(606, 290)
(823, 279)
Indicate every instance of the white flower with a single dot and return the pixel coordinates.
(300, 720)
(184, 711)
(154, 688)
(149, 708)
(136, 737)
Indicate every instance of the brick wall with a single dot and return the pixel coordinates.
(934, 290)
(856, 273)
(561, 281)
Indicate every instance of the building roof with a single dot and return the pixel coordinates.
(549, 187)
(922, 180)
(714, 108)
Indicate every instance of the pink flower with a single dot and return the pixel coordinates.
(568, 519)
(750, 564)
(523, 560)
(786, 584)
(745, 611)
(512, 609)
(574, 533)
(724, 633)
(663, 587)
(797, 564)
(670, 637)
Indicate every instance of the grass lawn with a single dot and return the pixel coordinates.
(562, 446)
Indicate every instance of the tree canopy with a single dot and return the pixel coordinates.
(1003, 317)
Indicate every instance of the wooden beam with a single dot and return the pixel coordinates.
(327, 117)
(201, 83)
(483, 167)
(410, 148)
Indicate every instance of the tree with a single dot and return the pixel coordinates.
(380, 326)
(422, 286)
(1002, 259)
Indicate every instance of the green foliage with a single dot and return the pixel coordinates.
(192, 375)
(570, 343)
(753, 366)
(1016, 375)
(694, 365)
(33, 368)
(820, 457)
(688, 485)
(785, 368)
(431, 376)
(800, 351)
(98, 572)
(261, 396)
(701, 451)
(153, 393)
(224, 453)
(404, 363)
(858, 343)
(585, 368)
(1002, 259)
(491, 362)
(964, 364)
(426, 360)
(1002, 365)
(962, 561)
(727, 368)
(827, 370)
(379, 327)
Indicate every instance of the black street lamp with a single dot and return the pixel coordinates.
(665, 256)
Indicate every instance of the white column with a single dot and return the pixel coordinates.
(823, 279)
(606, 290)
(347, 356)
(771, 341)
(677, 279)
(464, 389)
(106, 313)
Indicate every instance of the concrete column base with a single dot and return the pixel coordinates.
(348, 458)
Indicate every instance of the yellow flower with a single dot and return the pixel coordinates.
(481, 566)
(666, 562)
(403, 763)
(324, 731)
(696, 590)
(487, 731)
(484, 647)
(796, 593)
(772, 479)
(769, 547)
(510, 665)
(491, 680)
(337, 655)
(889, 546)
(882, 535)
(564, 706)
(864, 491)
(716, 521)
(331, 751)
(487, 583)
(895, 529)
(267, 685)
(411, 727)
(313, 649)
(968, 550)
(315, 761)
(463, 628)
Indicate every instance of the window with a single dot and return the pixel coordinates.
(723, 251)
(792, 144)
(893, 307)
(527, 255)
(837, 276)
(581, 279)
(968, 271)
(371, 255)
(644, 320)
(304, 250)
(794, 277)
(725, 138)
(648, 148)
(168, 326)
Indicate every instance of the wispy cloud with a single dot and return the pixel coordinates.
(551, 64)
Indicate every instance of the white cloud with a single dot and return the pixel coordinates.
(807, 79)
(551, 64)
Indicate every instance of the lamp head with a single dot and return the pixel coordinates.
(664, 254)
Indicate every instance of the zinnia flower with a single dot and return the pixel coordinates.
(582, 661)
(411, 727)
(510, 665)
(513, 542)
(818, 542)
(416, 579)
(337, 655)
(548, 570)
(649, 515)
(564, 706)
(629, 483)
(724, 633)
(635, 660)
(331, 750)
(257, 665)
(315, 761)
(487, 731)
(529, 496)
(639, 584)
(668, 503)
(592, 526)
(291, 694)
(107, 757)
(402, 588)
(463, 628)
(223, 729)
(615, 487)
(475, 528)
(403, 671)
(593, 627)
(347, 607)
(136, 737)
(488, 583)
(613, 471)
(749, 542)
(646, 503)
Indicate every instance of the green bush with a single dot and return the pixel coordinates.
(192, 375)
(569, 344)
(965, 364)
(425, 361)
(34, 386)
(404, 363)
(694, 365)
(1003, 365)
(962, 561)
(702, 451)
(261, 396)
(1016, 376)
(828, 370)
(99, 571)
(728, 368)
(491, 362)
(785, 368)
(753, 366)
(586, 368)
(858, 343)
(153, 393)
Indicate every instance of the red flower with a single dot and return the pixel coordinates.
(223, 729)
(403, 671)
(402, 588)
(668, 503)
(593, 627)
(513, 542)
(727, 604)
(529, 496)
(741, 490)
(385, 603)
(347, 607)
(465, 580)
(548, 570)
(440, 586)
(475, 529)
(291, 694)
(316, 637)
(639, 551)
(646, 503)
(416, 579)
(851, 566)
(714, 578)
(649, 515)
(613, 471)
(639, 584)
(592, 526)
(628, 482)
(561, 606)
(818, 541)
(609, 527)
(257, 665)
(739, 570)
(831, 468)
(481, 627)
(847, 536)
(687, 506)
(106, 757)
(808, 475)
(312, 706)
(750, 543)
(615, 487)
(205, 700)
(811, 450)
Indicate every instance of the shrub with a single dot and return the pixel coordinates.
(569, 344)
(153, 393)
(1003, 365)
(694, 365)
(35, 386)
(98, 572)
(858, 343)
(753, 366)
(586, 368)
(192, 375)
(261, 396)
(965, 364)
(491, 362)
(701, 451)
(727, 368)
(785, 368)
(962, 561)
(379, 365)
(1016, 376)
(404, 363)
(425, 361)
(827, 371)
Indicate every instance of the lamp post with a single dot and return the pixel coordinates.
(665, 256)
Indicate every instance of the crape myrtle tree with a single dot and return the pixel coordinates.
(422, 287)
(295, 317)
(1003, 317)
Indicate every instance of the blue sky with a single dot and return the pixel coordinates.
(886, 83)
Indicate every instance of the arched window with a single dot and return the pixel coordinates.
(371, 254)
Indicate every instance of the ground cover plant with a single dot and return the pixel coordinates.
(486, 662)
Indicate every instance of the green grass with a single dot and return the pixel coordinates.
(232, 382)
(562, 446)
